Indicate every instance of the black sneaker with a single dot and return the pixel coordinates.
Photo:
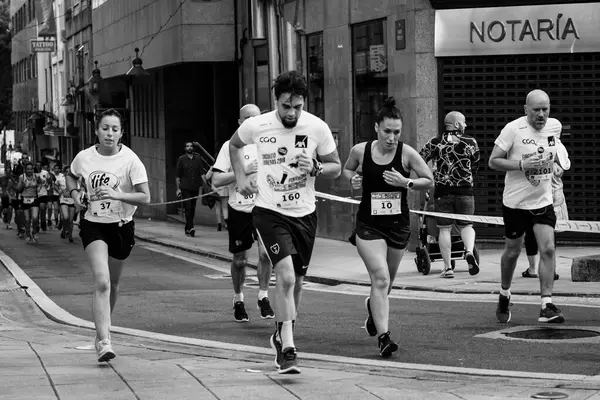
(289, 362)
(187, 233)
(551, 314)
(503, 310)
(369, 323)
(473, 264)
(239, 312)
(266, 312)
(192, 232)
(386, 345)
(276, 346)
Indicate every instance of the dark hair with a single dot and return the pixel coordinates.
(290, 82)
(111, 112)
(389, 110)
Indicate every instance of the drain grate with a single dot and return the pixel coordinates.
(12, 290)
(552, 334)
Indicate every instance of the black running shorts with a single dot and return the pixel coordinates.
(285, 236)
(396, 236)
(120, 239)
(517, 222)
(241, 231)
(43, 199)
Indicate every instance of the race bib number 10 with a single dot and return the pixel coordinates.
(106, 208)
(386, 203)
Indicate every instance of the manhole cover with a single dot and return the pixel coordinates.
(552, 334)
(550, 395)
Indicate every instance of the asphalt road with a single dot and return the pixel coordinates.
(161, 293)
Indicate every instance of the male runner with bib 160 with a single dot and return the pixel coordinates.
(288, 140)
(526, 150)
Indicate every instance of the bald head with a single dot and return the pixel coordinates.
(248, 111)
(455, 121)
(537, 108)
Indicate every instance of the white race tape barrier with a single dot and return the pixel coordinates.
(570, 226)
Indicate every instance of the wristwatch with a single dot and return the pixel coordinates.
(317, 168)
(410, 184)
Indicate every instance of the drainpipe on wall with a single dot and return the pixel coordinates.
(273, 44)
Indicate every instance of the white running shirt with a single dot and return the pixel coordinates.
(121, 171)
(46, 182)
(530, 189)
(237, 201)
(281, 185)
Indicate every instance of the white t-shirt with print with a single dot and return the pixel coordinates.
(530, 189)
(121, 171)
(282, 187)
(45, 184)
(237, 201)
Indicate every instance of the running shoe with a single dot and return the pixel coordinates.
(239, 312)
(386, 345)
(28, 239)
(447, 273)
(503, 311)
(551, 314)
(369, 323)
(104, 350)
(276, 346)
(473, 264)
(289, 362)
(192, 232)
(36, 237)
(266, 312)
(70, 238)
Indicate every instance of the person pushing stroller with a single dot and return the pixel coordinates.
(455, 158)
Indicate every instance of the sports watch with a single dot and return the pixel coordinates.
(410, 184)
(317, 168)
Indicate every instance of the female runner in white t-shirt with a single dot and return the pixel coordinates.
(114, 182)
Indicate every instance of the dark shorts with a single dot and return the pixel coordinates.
(241, 231)
(454, 204)
(15, 203)
(24, 206)
(68, 205)
(395, 236)
(517, 222)
(53, 198)
(120, 239)
(285, 236)
(43, 199)
(5, 202)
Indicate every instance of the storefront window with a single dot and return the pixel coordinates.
(316, 104)
(370, 70)
(262, 81)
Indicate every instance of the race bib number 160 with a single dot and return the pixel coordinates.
(290, 199)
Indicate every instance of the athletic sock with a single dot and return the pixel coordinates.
(287, 337)
(505, 292)
(238, 297)
(262, 294)
(546, 300)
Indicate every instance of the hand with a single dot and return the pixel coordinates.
(196, 144)
(356, 182)
(534, 161)
(558, 170)
(251, 168)
(394, 178)
(305, 163)
(107, 193)
(79, 198)
(178, 193)
(247, 186)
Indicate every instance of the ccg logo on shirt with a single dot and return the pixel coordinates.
(266, 139)
(528, 141)
(301, 142)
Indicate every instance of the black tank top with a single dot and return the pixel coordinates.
(373, 182)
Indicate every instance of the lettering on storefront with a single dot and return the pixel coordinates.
(521, 30)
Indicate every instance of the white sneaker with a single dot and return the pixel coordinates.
(104, 350)
(447, 273)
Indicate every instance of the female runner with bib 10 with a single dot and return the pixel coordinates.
(114, 183)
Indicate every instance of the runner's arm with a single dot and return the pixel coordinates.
(140, 197)
(236, 154)
(353, 161)
(332, 166)
(221, 178)
(498, 161)
(417, 164)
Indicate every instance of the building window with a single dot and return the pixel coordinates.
(316, 82)
(370, 70)
(261, 78)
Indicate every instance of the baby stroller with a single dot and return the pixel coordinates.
(428, 249)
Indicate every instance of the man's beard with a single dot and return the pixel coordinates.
(289, 124)
(189, 151)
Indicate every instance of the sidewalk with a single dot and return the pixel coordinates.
(336, 262)
(45, 360)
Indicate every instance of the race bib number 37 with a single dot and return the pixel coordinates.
(106, 208)
(386, 203)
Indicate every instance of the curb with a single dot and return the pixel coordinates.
(336, 281)
(59, 315)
